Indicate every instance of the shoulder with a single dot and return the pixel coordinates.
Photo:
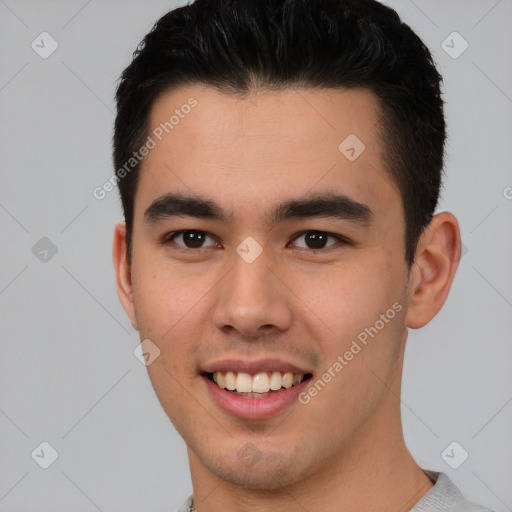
(445, 497)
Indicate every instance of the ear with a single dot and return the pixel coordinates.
(436, 260)
(123, 272)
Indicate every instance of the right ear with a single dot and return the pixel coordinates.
(123, 272)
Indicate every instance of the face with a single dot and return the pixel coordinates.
(294, 265)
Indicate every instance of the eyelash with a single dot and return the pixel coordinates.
(170, 238)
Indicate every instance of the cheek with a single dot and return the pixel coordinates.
(163, 297)
(362, 307)
(348, 299)
(170, 310)
(358, 368)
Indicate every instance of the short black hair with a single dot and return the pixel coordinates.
(240, 46)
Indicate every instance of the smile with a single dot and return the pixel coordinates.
(259, 385)
(254, 390)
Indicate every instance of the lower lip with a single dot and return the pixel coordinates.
(253, 408)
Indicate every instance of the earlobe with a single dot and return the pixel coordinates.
(123, 272)
(436, 261)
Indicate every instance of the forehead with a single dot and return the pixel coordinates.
(266, 144)
(300, 115)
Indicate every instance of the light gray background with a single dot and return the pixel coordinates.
(68, 374)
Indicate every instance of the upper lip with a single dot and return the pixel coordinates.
(260, 365)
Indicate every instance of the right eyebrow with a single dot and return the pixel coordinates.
(180, 205)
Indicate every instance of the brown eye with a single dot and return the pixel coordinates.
(316, 239)
(191, 239)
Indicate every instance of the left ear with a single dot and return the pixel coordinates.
(436, 260)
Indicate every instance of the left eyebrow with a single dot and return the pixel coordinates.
(319, 205)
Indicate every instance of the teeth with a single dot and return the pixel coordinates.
(287, 380)
(297, 379)
(276, 381)
(230, 381)
(243, 383)
(262, 382)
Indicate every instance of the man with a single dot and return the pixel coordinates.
(279, 164)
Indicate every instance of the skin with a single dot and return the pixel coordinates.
(201, 305)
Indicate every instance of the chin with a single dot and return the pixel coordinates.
(262, 472)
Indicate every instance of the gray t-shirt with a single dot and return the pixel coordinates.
(443, 497)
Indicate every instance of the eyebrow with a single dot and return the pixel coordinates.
(319, 205)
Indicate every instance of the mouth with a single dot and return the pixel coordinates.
(256, 385)
(254, 390)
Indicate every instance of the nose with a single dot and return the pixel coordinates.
(253, 299)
